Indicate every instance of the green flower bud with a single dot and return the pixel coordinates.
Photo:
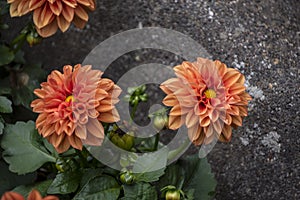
(125, 142)
(159, 122)
(128, 141)
(127, 178)
(33, 38)
(172, 195)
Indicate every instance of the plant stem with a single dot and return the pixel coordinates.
(156, 142)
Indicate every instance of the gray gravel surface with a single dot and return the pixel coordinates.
(260, 38)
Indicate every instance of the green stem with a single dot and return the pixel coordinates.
(156, 142)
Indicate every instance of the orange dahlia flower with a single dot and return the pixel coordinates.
(72, 105)
(208, 98)
(48, 15)
(34, 195)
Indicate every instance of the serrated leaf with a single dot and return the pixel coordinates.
(42, 187)
(65, 183)
(10, 180)
(23, 148)
(139, 191)
(150, 166)
(100, 187)
(5, 105)
(6, 55)
(198, 176)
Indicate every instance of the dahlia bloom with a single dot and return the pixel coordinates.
(208, 98)
(34, 195)
(48, 15)
(72, 105)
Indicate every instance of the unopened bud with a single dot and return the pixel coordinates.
(22, 79)
(33, 38)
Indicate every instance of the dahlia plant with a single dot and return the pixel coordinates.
(62, 136)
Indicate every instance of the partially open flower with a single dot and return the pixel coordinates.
(72, 105)
(48, 15)
(208, 98)
(34, 195)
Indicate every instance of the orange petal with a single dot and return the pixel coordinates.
(12, 196)
(231, 77)
(95, 128)
(48, 30)
(200, 139)
(13, 9)
(170, 100)
(218, 126)
(75, 142)
(68, 13)
(56, 7)
(50, 197)
(81, 13)
(176, 111)
(194, 132)
(93, 140)
(104, 108)
(175, 122)
(71, 3)
(191, 119)
(237, 120)
(79, 23)
(84, 2)
(80, 132)
(226, 132)
(109, 117)
(34, 195)
(23, 8)
(34, 4)
(204, 121)
(236, 88)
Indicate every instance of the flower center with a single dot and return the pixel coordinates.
(70, 98)
(210, 93)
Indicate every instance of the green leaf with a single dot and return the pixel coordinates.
(22, 96)
(1, 128)
(89, 174)
(10, 180)
(100, 187)
(198, 176)
(174, 175)
(65, 183)
(42, 187)
(5, 105)
(19, 57)
(5, 87)
(139, 191)
(151, 166)
(150, 176)
(23, 148)
(6, 55)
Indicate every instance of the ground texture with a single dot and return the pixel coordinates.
(260, 38)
